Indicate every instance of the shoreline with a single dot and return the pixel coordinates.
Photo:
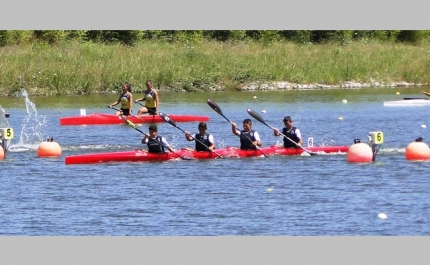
(253, 86)
(314, 86)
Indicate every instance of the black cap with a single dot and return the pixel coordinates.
(203, 124)
(288, 118)
(153, 127)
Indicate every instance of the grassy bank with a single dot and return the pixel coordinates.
(76, 68)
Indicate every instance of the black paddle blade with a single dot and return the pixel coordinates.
(255, 115)
(167, 118)
(414, 98)
(214, 106)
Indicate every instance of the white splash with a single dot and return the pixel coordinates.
(32, 132)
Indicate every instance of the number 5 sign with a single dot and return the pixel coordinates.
(6, 133)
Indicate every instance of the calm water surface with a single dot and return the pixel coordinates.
(302, 195)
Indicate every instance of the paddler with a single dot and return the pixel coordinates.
(151, 100)
(126, 100)
(425, 93)
(249, 139)
(202, 137)
(156, 144)
(291, 132)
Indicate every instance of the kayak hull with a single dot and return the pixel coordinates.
(408, 103)
(139, 155)
(101, 119)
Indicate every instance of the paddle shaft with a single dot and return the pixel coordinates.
(132, 125)
(116, 109)
(149, 110)
(123, 114)
(217, 109)
(171, 122)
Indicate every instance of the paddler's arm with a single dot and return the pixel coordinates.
(163, 140)
(188, 136)
(212, 141)
(425, 93)
(257, 141)
(233, 129)
(166, 144)
(157, 101)
(299, 135)
(276, 132)
(115, 103)
(170, 149)
(131, 103)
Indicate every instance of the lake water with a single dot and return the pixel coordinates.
(300, 195)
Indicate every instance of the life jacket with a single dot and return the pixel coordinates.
(204, 139)
(150, 100)
(292, 135)
(245, 144)
(125, 101)
(154, 146)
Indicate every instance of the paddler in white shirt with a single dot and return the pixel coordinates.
(249, 139)
(291, 132)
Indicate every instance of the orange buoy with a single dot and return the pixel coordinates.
(360, 152)
(49, 148)
(1, 153)
(417, 151)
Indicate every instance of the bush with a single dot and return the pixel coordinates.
(50, 36)
(4, 37)
(414, 36)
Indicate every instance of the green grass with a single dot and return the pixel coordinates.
(79, 68)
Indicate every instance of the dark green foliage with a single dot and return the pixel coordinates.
(413, 35)
(77, 35)
(49, 36)
(4, 37)
(219, 35)
(127, 37)
(297, 36)
(131, 37)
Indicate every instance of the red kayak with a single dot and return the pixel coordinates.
(100, 118)
(139, 155)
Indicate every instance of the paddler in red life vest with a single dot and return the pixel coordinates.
(249, 139)
(126, 100)
(202, 137)
(156, 144)
(291, 132)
